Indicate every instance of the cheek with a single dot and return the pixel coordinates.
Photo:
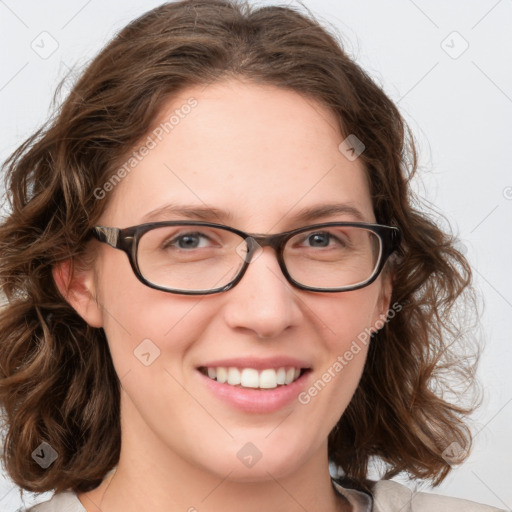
(140, 320)
(346, 316)
(346, 322)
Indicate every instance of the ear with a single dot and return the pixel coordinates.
(77, 286)
(383, 304)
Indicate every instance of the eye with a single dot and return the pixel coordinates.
(320, 239)
(194, 240)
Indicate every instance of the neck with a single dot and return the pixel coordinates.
(150, 476)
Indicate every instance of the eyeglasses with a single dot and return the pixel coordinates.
(200, 258)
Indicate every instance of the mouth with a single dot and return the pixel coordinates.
(251, 378)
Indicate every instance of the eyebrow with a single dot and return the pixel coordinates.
(329, 210)
(210, 214)
(193, 212)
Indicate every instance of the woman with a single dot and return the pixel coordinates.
(218, 284)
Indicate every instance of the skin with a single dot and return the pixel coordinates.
(262, 153)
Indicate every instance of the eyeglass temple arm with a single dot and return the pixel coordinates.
(396, 236)
(107, 235)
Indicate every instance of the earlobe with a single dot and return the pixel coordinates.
(78, 289)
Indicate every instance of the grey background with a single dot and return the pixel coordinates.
(457, 100)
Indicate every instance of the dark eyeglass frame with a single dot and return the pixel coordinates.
(127, 240)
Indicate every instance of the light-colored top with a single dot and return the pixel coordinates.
(387, 496)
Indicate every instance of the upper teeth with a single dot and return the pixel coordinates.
(251, 378)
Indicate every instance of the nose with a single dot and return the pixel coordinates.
(263, 302)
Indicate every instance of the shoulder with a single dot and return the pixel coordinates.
(61, 502)
(389, 496)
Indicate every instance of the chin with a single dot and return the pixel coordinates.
(251, 464)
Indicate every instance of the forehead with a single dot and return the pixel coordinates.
(257, 154)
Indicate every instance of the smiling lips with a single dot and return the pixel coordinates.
(268, 378)
(256, 385)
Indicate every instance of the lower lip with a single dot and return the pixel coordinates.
(257, 400)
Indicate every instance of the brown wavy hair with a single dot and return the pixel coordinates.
(57, 381)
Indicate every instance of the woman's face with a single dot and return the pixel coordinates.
(259, 156)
